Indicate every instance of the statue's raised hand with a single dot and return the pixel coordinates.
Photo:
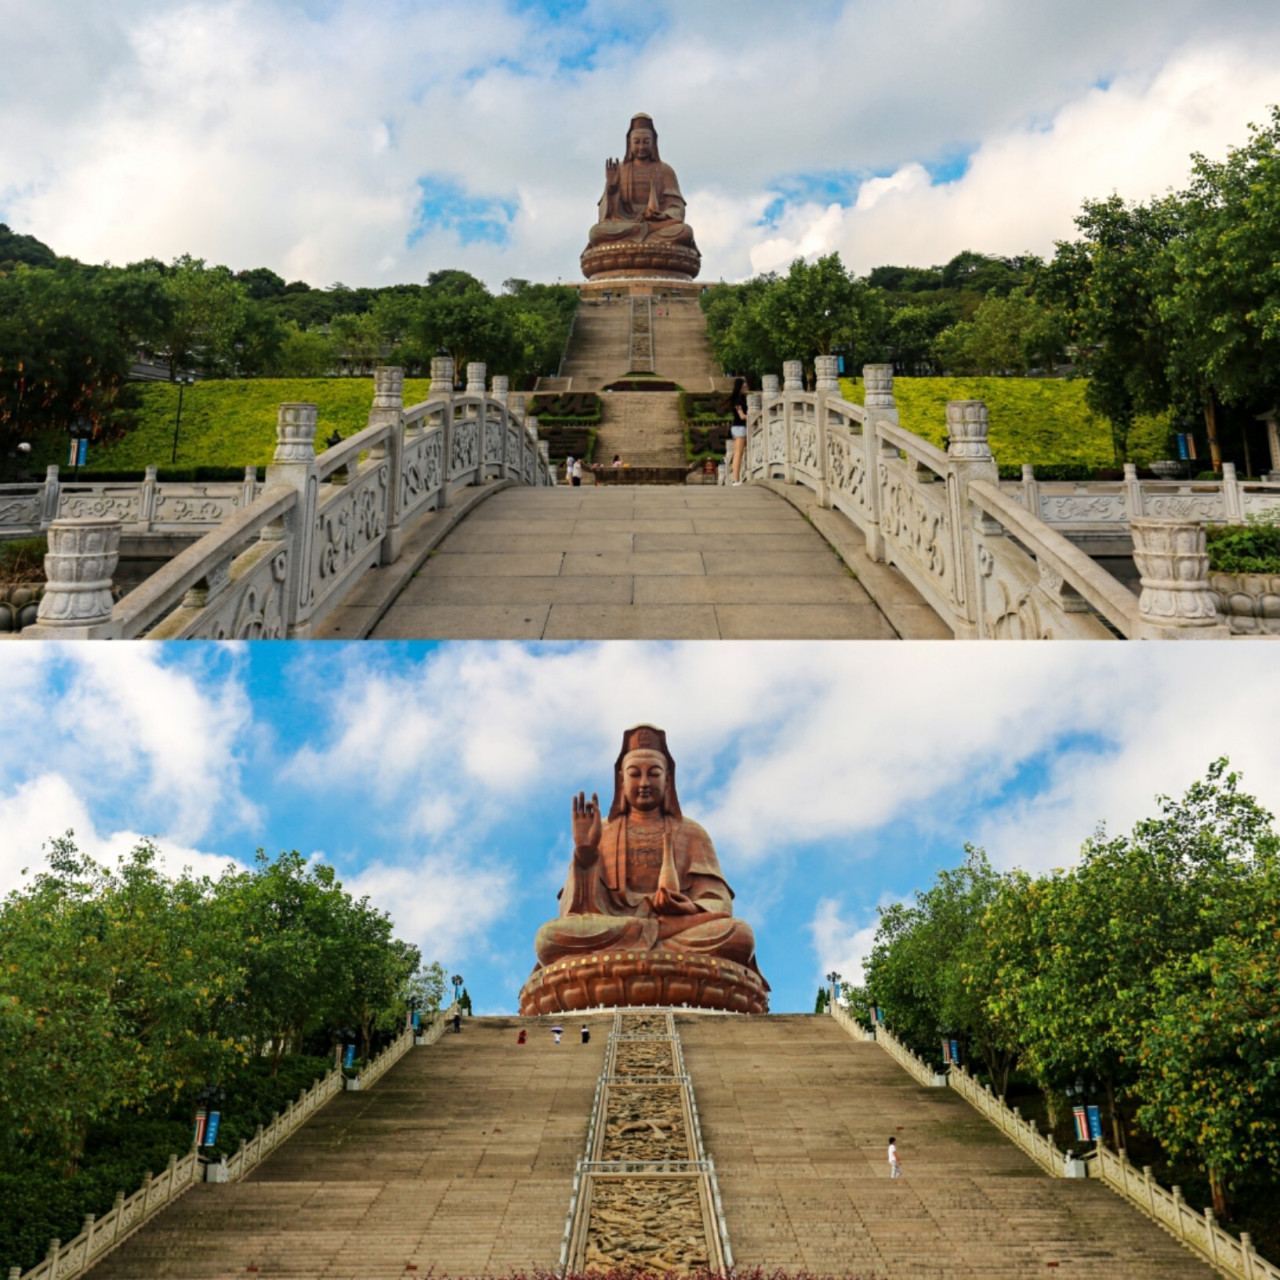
(586, 829)
(612, 174)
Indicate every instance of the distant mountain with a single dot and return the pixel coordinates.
(16, 248)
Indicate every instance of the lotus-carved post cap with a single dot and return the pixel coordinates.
(967, 429)
(295, 433)
(442, 373)
(500, 387)
(388, 387)
(878, 385)
(83, 552)
(769, 386)
(475, 379)
(826, 373)
(793, 375)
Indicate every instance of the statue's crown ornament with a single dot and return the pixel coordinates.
(645, 738)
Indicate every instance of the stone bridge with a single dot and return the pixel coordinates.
(443, 521)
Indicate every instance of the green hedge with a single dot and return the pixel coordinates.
(643, 384)
(225, 424)
(1044, 421)
(39, 1204)
(1253, 547)
(568, 408)
(705, 407)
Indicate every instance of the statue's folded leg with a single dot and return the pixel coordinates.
(710, 932)
(568, 936)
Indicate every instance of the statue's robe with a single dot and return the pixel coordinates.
(610, 904)
(626, 223)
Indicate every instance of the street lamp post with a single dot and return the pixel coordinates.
(457, 983)
(834, 978)
(183, 380)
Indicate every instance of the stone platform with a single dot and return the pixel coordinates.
(626, 259)
(621, 979)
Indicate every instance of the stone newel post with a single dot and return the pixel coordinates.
(77, 597)
(442, 373)
(827, 373)
(1176, 602)
(501, 388)
(969, 458)
(476, 373)
(793, 375)
(877, 381)
(388, 411)
(769, 386)
(294, 464)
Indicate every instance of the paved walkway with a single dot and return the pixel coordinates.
(648, 562)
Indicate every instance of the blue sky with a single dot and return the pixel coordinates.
(377, 142)
(832, 778)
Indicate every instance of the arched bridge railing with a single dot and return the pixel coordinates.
(280, 563)
(984, 556)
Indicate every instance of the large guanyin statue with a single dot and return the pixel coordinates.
(646, 916)
(641, 231)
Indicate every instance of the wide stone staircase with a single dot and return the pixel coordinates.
(663, 336)
(461, 1161)
(797, 1117)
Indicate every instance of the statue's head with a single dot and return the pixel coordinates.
(644, 775)
(642, 139)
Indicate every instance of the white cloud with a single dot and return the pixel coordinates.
(48, 806)
(841, 945)
(273, 134)
(780, 744)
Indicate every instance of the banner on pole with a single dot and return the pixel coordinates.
(350, 1059)
(1095, 1123)
(202, 1119)
(1082, 1124)
(211, 1132)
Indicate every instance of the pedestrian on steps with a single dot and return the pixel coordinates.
(457, 1024)
(557, 1031)
(738, 427)
(568, 469)
(586, 1034)
(577, 472)
(522, 1037)
(895, 1165)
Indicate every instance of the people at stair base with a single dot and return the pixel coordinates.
(738, 429)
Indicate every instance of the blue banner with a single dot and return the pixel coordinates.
(211, 1131)
(415, 1019)
(1095, 1123)
(350, 1059)
(955, 1052)
(1183, 455)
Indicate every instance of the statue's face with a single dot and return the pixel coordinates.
(642, 144)
(644, 780)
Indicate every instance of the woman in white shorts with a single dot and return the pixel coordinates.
(738, 428)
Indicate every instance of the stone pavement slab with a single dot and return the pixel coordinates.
(618, 562)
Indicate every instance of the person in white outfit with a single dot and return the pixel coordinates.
(895, 1165)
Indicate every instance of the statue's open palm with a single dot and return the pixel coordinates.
(586, 828)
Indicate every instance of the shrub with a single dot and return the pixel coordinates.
(23, 560)
(705, 407)
(566, 407)
(643, 384)
(1252, 547)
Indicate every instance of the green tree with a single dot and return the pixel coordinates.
(303, 353)
(1007, 335)
(208, 311)
(1210, 1051)
(358, 339)
(1223, 307)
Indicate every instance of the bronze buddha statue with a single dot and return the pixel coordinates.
(641, 230)
(646, 916)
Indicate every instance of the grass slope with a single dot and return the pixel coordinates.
(1041, 421)
(233, 423)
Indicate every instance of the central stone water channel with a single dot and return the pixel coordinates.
(645, 1193)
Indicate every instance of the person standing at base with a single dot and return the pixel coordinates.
(568, 469)
(738, 427)
(577, 472)
(586, 1034)
(556, 1031)
(895, 1165)
(457, 1023)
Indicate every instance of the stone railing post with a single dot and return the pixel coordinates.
(388, 411)
(826, 385)
(147, 499)
(500, 390)
(1030, 490)
(793, 383)
(249, 487)
(769, 389)
(294, 464)
(49, 496)
(442, 373)
(755, 404)
(77, 603)
(476, 373)
(1232, 495)
(877, 382)
(1176, 601)
(969, 458)
(1133, 502)
(1272, 420)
